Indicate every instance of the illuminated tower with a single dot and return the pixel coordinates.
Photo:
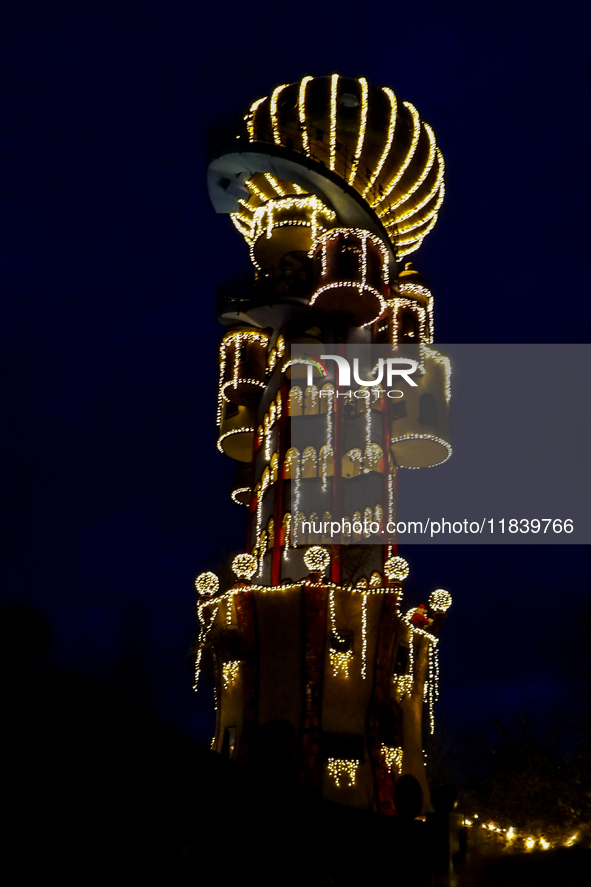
(321, 678)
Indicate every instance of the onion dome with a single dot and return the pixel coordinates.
(366, 137)
(410, 277)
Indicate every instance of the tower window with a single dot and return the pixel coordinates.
(409, 326)
(229, 743)
(402, 659)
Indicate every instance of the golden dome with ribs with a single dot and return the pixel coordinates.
(363, 135)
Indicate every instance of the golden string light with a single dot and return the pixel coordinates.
(408, 245)
(396, 568)
(409, 156)
(425, 225)
(240, 226)
(222, 437)
(364, 636)
(362, 125)
(514, 837)
(296, 522)
(394, 180)
(431, 437)
(274, 184)
(205, 625)
(440, 600)
(362, 288)
(389, 138)
(230, 671)
(340, 662)
(432, 688)
(273, 111)
(423, 314)
(235, 339)
(317, 559)
(437, 184)
(426, 170)
(344, 772)
(207, 583)
(327, 451)
(238, 492)
(334, 80)
(251, 117)
(403, 684)
(392, 756)
(443, 361)
(244, 566)
(302, 113)
(254, 188)
(333, 233)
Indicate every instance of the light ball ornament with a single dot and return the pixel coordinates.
(207, 583)
(244, 566)
(440, 600)
(317, 559)
(396, 568)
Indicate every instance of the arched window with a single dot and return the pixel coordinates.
(274, 467)
(427, 410)
(271, 532)
(374, 458)
(292, 459)
(378, 516)
(408, 326)
(309, 463)
(350, 262)
(295, 401)
(367, 520)
(326, 397)
(311, 401)
(375, 580)
(265, 479)
(352, 463)
(357, 527)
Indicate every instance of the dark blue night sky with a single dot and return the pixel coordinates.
(114, 493)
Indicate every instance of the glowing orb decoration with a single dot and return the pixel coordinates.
(440, 600)
(244, 566)
(207, 583)
(317, 559)
(396, 568)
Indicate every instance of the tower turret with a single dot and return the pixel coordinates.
(320, 675)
